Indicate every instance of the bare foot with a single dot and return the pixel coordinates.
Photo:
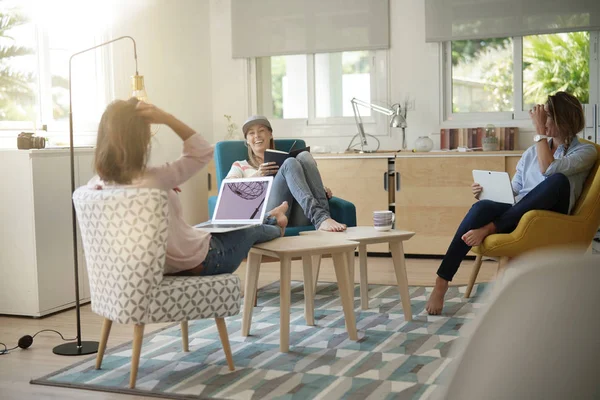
(331, 225)
(476, 236)
(279, 214)
(435, 304)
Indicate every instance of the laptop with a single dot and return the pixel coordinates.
(496, 186)
(241, 204)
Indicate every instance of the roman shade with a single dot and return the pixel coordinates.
(281, 27)
(481, 19)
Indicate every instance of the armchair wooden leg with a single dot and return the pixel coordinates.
(138, 336)
(501, 267)
(106, 325)
(222, 328)
(473, 277)
(185, 344)
(500, 273)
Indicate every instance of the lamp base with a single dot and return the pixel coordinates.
(71, 349)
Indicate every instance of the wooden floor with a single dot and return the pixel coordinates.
(19, 366)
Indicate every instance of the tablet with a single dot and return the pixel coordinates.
(496, 186)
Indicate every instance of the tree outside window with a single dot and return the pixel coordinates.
(483, 71)
(17, 78)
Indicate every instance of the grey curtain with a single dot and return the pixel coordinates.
(481, 19)
(281, 27)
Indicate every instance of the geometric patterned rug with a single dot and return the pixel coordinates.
(393, 358)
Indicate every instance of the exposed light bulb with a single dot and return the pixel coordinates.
(138, 89)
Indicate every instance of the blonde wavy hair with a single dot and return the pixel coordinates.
(567, 115)
(122, 144)
(252, 159)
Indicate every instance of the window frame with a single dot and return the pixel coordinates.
(376, 124)
(43, 87)
(518, 117)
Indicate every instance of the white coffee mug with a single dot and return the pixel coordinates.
(383, 220)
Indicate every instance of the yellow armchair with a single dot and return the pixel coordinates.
(538, 229)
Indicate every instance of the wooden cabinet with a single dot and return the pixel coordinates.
(37, 245)
(434, 195)
(360, 181)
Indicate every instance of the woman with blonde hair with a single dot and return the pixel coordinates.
(122, 151)
(298, 181)
(550, 176)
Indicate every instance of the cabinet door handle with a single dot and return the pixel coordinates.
(209, 182)
(397, 181)
(385, 181)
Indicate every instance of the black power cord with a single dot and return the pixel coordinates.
(26, 341)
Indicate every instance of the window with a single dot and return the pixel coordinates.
(34, 71)
(338, 78)
(506, 76)
(313, 92)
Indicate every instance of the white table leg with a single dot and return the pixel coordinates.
(309, 296)
(341, 272)
(252, 270)
(400, 269)
(285, 300)
(364, 282)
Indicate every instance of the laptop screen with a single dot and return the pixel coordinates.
(243, 199)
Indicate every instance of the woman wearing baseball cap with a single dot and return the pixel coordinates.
(298, 181)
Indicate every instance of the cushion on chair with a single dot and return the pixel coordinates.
(179, 298)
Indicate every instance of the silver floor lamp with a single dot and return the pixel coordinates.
(80, 347)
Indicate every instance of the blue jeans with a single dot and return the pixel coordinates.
(228, 249)
(552, 195)
(299, 183)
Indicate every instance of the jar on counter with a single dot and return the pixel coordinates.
(424, 144)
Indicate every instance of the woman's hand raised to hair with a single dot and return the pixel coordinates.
(153, 114)
(538, 116)
(476, 189)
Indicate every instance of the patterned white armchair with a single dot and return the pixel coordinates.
(124, 233)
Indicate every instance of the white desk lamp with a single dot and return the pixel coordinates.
(398, 120)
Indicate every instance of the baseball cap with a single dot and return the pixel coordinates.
(253, 120)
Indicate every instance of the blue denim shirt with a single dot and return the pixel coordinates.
(575, 165)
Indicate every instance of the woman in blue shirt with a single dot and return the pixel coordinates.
(550, 176)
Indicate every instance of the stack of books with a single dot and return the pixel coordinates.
(472, 138)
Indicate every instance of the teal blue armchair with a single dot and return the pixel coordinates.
(227, 152)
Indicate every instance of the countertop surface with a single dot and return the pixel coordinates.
(409, 153)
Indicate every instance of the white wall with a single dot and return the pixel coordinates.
(174, 55)
(229, 77)
(414, 70)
